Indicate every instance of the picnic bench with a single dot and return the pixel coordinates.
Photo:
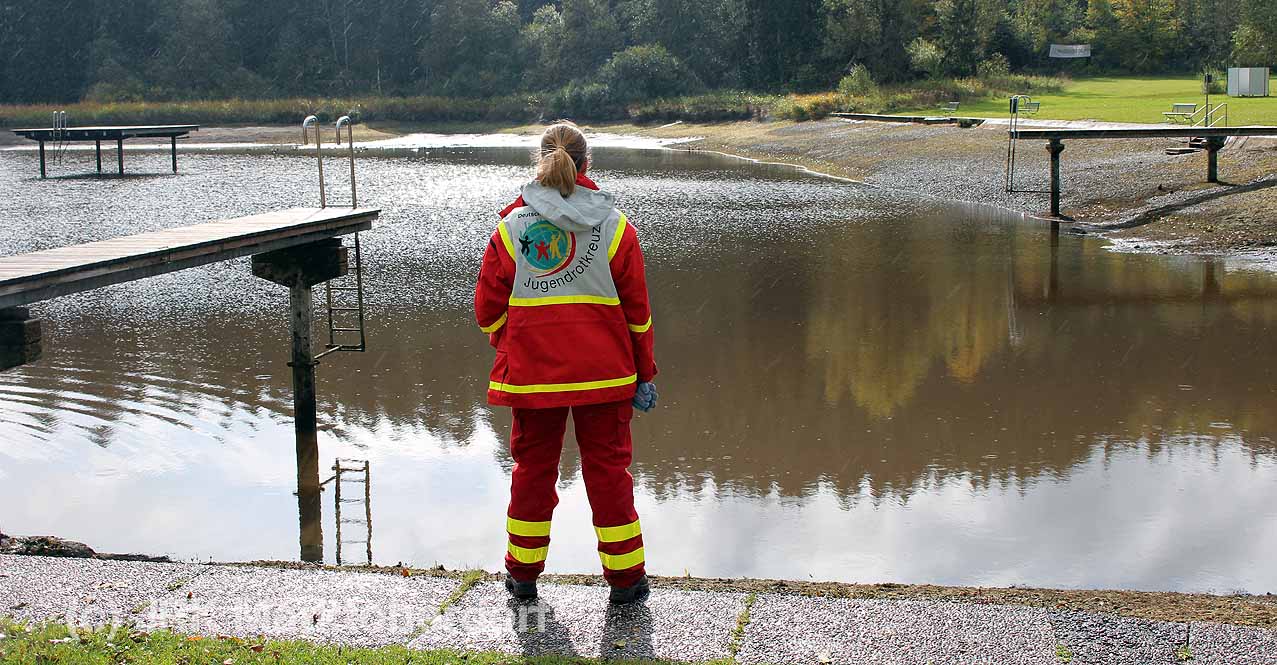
(950, 108)
(1181, 113)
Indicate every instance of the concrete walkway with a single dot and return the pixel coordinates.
(373, 609)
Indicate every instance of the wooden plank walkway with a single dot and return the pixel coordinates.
(28, 278)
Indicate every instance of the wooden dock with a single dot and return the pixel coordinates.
(1215, 138)
(28, 278)
(106, 133)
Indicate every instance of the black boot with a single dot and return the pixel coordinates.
(520, 590)
(631, 594)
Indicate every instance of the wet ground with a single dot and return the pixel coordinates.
(857, 385)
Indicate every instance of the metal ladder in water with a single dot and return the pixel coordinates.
(362, 474)
(346, 320)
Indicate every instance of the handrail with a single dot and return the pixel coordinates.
(350, 141)
(319, 153)
(1208, 116)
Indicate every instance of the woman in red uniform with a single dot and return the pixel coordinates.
(563, 295)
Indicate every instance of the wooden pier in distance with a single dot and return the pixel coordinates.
(110, 133)
(1215, 139)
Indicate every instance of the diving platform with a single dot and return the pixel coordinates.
(119, 134)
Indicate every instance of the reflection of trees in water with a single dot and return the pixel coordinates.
(886, 376)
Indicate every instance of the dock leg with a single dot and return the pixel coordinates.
(1055, 148)
(42, 171)
(119, 152)
(97, 147)
(300, 268)
(1213, 146)
(173, 140)
(309, 510)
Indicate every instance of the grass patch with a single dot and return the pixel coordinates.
(471, 578)
(1138, 99)
(742, 622)
(25, 644)
(1063, 653)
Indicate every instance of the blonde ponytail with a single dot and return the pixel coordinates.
(563, 155)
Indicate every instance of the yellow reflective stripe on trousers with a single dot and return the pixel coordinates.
(643, 328)
(505, 238)
(496, 326)
(621, 561)
(525, 555)
(564, 300)
(616, 239)
(562, 387)
(616, 534)
(527, 529)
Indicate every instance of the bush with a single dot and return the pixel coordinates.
(584, 100)
(858, 83)
(996, 66)
(1218, 84)
(926, 58)
(647, 72)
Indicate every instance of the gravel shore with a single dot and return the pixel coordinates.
(430, 610)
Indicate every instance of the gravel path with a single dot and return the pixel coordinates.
(369, 609)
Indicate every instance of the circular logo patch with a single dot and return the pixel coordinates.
(547, 247)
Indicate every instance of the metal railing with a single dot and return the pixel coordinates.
(1210, 116)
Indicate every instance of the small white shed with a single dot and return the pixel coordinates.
(1247, 81)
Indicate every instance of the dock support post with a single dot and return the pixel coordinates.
(1055, 147)
(173, 140)
(20, 338)
(299, 268)
(119, 152)
(97, 146)
(42, 171)
(1213, 145)
(309, 510)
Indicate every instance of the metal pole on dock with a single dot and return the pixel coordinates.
(42, 169)
(119, 153)
(97, 145)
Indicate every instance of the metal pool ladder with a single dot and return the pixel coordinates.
(346, 320)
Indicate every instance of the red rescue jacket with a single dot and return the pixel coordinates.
(562, 294)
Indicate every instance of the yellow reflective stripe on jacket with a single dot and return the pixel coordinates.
(643, 328)
(616, 534)
(525, 555)
(621, 561)
(564, 300)
(562, 387)
(505, 238)
(527, 529)
(497, 326)
(616, 239)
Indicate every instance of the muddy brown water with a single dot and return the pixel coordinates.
(857, 385)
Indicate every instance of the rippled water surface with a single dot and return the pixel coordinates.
(857, 385)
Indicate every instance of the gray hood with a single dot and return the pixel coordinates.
(580, 212)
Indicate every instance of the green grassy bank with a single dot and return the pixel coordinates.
(1124, 99)
(38, 644)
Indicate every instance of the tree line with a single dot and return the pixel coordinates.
(131, 50)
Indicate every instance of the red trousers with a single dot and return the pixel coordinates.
(603, 434)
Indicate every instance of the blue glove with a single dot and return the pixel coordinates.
(645, 397)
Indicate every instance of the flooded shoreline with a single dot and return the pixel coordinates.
(862, 386)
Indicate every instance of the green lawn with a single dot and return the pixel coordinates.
(1127, 99)
(52, 643)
